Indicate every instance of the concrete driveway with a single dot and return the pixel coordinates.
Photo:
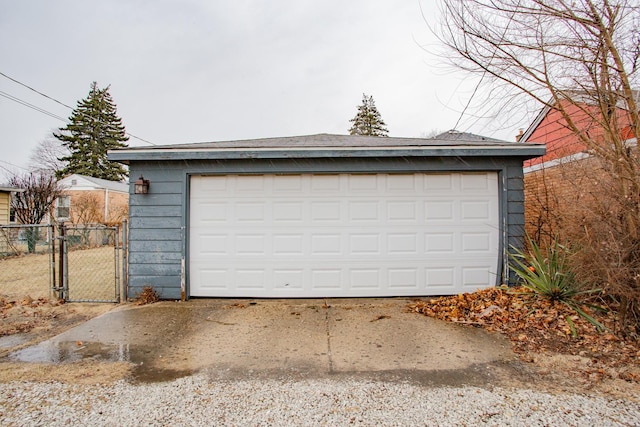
(294, 338)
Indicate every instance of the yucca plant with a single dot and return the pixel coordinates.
(547, 274)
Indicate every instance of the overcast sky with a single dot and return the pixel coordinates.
(198, 70)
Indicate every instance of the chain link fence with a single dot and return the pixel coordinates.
(27, 261)
(77, 263)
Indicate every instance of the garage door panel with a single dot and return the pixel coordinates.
(363, 183)
(250, 279)
(402, 211)
(439, 210)
(440, 277)
(326, 211)
(475, 276)
(218, 279)
(326, 244)
(402, 244)
(249, 212)
(251, 184)
(288, 244)
(363, 211)
(476, 182)
(326, 278)
(210, 212)
(326, 183)
(401, 182)
(250, 244)
(212, 244)
(440, 242)
(438, 183)
(475, 210)
(403, 278)
(288, 212)
(365, 278)
(291, 184)
(477, 242)
(288, 279)
(342, 235)
(364, 244)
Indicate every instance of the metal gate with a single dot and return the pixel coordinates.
(90, 263)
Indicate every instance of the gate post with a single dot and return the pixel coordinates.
(63, 283)
(52, 252)
(116, 248)
(124, 279)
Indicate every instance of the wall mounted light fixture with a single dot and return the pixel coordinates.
(141, 186)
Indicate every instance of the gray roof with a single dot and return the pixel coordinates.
(110, 185)
(454, 135)
(328, 145)
(120, 186)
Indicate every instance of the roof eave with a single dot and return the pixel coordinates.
(524, 151)
(12, 189)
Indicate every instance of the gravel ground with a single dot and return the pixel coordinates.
(200, 400)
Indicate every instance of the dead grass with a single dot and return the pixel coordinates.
(91, 275)
(25, 275)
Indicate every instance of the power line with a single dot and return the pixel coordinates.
(11, 164)
(34, 90)
(33, 107)
(48, 113)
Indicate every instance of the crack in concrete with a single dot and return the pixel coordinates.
(326, 322)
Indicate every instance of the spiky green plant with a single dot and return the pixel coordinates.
(547, 274)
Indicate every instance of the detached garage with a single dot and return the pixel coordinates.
(324, 216)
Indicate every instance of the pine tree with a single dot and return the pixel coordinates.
(368, 120)
(93, 128)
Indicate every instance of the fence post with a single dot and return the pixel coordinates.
(52, 257)
(63, 285)
(124, 280)
(116, 247)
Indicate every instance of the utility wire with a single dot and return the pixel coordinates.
(48, 113)
(12, 165)
(33, 107)
(36, 91)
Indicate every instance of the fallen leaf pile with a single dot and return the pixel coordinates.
(148, 295)
(18, 316)
(535, 325)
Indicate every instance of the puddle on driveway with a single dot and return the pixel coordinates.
(67, 351)
(73, 351)
(9, 341)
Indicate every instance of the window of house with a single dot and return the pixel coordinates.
(63, 205)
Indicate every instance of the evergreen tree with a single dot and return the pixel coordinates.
(93, 128)
(368, 121)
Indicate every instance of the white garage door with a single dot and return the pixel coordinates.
(342, 235)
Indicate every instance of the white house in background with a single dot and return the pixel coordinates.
(89, 200)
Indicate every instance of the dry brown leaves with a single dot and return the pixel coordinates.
(22, 315)
(148, 295)
(535, 324)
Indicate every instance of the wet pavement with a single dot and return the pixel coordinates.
(294, 338)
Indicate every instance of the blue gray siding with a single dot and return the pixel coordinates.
(158, 226)
(155, 230)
